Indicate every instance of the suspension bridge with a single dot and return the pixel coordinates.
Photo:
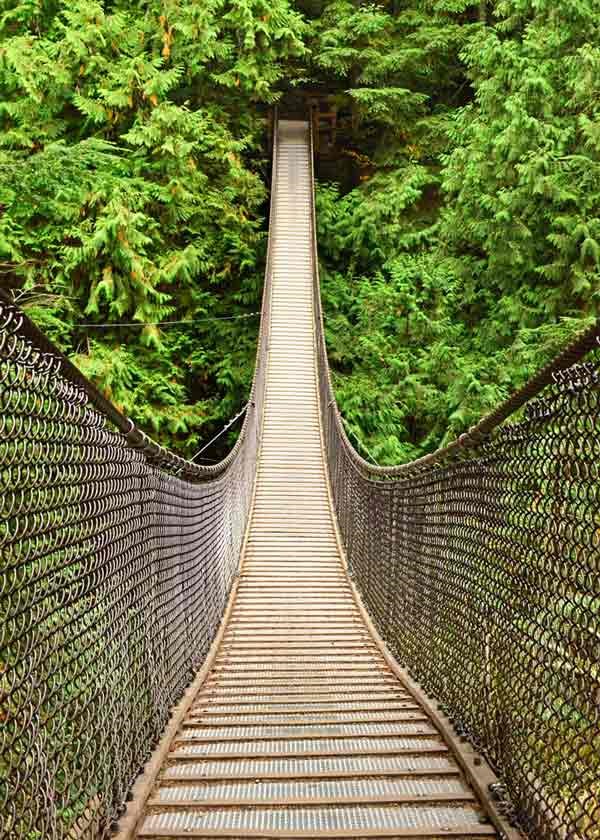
(295, 642)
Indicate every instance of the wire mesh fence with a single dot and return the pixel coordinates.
(481, 570)
(480, 566)
(482, 573)
(117, 561)
(117, 558)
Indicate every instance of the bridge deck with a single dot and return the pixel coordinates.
(301, 729)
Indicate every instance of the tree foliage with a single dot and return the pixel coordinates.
(469, 252)
(132, 185)
(133, 189)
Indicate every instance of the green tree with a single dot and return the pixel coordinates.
(522, 182)
(132, 177)
(468, 254)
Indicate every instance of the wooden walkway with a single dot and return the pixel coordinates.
(301, 728)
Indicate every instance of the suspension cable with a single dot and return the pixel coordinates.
(109, 324)
(223, 430)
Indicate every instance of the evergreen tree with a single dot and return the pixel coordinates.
(133, 189)
(468, 254)
(132, 181)
(522, 183)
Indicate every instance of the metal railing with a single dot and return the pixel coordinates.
(480, 565)
(117, 558)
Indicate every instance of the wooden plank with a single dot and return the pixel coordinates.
(296, 631)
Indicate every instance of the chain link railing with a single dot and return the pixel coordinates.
(480, 566)
(117, 558)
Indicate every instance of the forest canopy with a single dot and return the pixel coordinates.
(459, 236)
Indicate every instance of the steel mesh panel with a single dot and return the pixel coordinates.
(316, 820)
(338, 790)
(303, 716)
(369, 765)
(376, 706)
(480, 566)
(359, 730)
(338, 746)
(117, 560)
(481, 569)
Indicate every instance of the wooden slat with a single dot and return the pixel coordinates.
(296, 650)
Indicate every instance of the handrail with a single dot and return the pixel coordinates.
(480, 566)
(117, 557)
